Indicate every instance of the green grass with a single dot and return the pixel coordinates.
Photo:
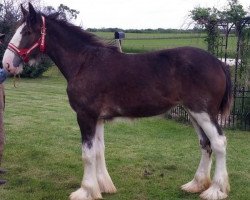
(110, 35)
(147, 158)
(144, 42)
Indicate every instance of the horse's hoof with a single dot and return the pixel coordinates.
(196, 186)
(213, 193)
(83, 194)
(80, 194)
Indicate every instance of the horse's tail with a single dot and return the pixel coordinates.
(226, 102)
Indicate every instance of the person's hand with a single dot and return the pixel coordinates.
(3, 75)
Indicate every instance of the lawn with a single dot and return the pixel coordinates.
(148, 159)
(144, 42)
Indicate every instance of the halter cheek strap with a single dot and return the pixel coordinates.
(24, 53)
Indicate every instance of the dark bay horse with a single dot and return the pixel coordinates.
(103, 83)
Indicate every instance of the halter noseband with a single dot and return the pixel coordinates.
(24, 53)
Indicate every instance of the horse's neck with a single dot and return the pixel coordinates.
(66, 59)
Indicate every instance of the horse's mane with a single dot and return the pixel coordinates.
(85, 36)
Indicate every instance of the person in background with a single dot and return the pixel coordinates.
(2, 134)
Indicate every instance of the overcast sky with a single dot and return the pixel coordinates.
(137, 14)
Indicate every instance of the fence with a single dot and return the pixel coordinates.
(241, 110)
(239, 117)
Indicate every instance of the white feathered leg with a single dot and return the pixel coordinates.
(201, 180)
(104, 180)
(220, 186)
(89, 188)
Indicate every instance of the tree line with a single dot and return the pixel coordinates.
(148, 30)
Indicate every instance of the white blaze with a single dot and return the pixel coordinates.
(16, 39)
(9, 55)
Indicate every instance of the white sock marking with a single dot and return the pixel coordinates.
(218, 145)
(105, 183)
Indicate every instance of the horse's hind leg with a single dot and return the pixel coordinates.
(220, 185)
(105, 183)
(201, 180)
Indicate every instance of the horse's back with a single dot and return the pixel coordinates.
(183, 75)
(182, 67)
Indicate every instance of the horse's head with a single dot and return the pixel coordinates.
(27, 42)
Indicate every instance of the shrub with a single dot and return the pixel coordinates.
(38, 69)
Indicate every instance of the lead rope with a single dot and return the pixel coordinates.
(16, 80)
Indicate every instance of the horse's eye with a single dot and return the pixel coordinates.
(26, 32)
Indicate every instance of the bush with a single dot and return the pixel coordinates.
(38, 69)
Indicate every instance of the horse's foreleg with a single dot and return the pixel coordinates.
(201, 180)
(220, 185)
(89, 188)
(105, 183)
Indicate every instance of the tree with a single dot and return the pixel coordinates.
(233, 14)
(64, 12)
(67, 13)
(208, 18)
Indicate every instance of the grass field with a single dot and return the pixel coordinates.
(143, 42)
(148, 159)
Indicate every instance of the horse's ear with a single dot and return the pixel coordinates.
(32, 14)
(24, 11)
(2, 36)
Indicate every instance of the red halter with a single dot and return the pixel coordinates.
(24, 53)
